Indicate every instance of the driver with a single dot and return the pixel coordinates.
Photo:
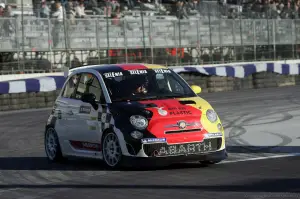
(140, 85)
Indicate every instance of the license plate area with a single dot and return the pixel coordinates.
(165, 150)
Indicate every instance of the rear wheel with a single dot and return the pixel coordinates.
(52, 146)
(111, 150)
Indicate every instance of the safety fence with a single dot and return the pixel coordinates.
(38, 34)
(198, 40)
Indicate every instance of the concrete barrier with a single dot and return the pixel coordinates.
(41, 92)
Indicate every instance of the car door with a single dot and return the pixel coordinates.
(65, 117)
(86, 129)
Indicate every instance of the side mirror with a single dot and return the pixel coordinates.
(90, 98)
(196, 89)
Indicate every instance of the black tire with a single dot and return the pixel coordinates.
(57, 155)
(119, 163)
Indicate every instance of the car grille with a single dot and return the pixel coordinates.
(163, 149)
(183, 131)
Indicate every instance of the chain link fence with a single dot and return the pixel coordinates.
(30, 44)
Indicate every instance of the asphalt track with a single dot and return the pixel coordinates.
(262, 126)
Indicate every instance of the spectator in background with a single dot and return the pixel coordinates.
(295, 12)
(58, 24)
(59, 13)
(131, 4)
(80, 13)
(107, 8)
(70, 11)
(115, 6)
(287, 12)
(95, 7)
(2, 7)
(79, 9)
(193, 4)
(115, 19)
(8, 25)
(45, 10)
(182, 10)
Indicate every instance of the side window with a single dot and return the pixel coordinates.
(70, 87)
(89, 84)
(175, 85)
(162, 82)
(169, 83)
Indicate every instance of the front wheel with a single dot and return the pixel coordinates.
(111, 150)
(52, 147)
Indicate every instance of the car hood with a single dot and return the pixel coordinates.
(163, 109)
(165, 117)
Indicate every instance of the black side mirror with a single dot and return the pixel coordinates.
(90, 98)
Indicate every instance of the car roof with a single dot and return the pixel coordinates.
(119, 67)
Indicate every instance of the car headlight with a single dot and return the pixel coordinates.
(211, 115)
(139, 122)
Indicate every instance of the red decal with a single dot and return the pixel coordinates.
(85, 145)
(167, 116)
(132, 66)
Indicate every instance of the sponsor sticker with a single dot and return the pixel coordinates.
(184, 149)
(113, 74)
(161, 71)
(85, 109)
(87, 145)
(137, 72)
(153, 140)
(161, 111)
(179, 111)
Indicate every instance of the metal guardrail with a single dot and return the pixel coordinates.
(50, 35)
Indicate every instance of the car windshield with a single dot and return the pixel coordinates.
(136, 85)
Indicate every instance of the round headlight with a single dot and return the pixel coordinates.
(139, 122)
(211, 115)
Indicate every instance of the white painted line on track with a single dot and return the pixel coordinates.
(260, 158)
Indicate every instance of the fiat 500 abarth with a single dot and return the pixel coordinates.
(133, 112)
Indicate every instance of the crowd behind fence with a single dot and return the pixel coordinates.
(81, 34)
(217, 33)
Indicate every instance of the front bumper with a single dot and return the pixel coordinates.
(216, 156)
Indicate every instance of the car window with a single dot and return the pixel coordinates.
(169, 83)
(70, 87)
(89, 84)
(145, 84)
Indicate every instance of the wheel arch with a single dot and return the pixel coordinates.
(120, 136)
(52, 124)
